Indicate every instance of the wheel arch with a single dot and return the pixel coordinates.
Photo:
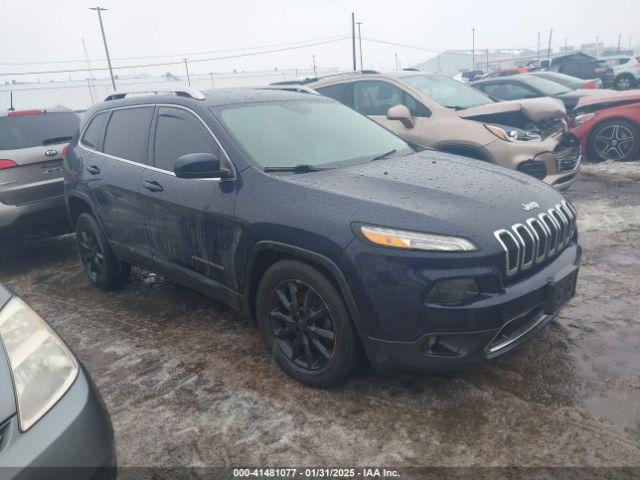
(267, 253)
(78, 203)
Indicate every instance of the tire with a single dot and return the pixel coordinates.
(315, 349)
(624, 81)
(102, 267)
(614, 140)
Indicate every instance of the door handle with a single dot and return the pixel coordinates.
(152, 186)
(93, 169)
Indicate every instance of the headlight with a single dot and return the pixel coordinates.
(512, 134)
(387, 237)
(584, 118)
(42, 366)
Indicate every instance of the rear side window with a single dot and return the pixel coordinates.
(178, 133)
(375, 98)
(94, 134)
(343, 92)
(128, 133)
(37, 130)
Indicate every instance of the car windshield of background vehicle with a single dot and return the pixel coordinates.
(309, 132)
(566, 80)
(547, 87)
(37, 130)
(447, 91)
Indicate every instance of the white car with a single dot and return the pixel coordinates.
(626, 71)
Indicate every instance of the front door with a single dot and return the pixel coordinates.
(189, 221)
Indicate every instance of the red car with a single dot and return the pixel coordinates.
(609, 127)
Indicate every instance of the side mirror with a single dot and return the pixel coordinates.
(401, 113)
(200, 165)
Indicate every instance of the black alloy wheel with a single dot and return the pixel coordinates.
(302, 325)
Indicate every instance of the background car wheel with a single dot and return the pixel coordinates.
(306, 325)
(615, 140)
(102, 267)
(624, 82)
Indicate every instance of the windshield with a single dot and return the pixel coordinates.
(447, 91)
(37, 130)
(317, 133)
(547, 87)
(565, 80)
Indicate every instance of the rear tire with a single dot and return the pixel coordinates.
(624, 81)
(614, 140)
(102, 267)
(306, 324)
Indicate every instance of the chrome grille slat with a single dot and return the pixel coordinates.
(537, 238)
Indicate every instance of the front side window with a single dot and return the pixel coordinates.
(314, 132)
(178, 133)
(446, 91)
(94, 134)
(128, 133)
(375, 97)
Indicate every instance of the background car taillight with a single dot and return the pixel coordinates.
(23, 113)
(7, 164)
(590, 85)
(600, 70)
(64, 151)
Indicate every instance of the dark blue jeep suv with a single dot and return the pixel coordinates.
(338, 237)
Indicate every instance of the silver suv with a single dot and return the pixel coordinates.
(626, 71)
(31, 174)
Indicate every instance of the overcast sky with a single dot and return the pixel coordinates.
(45, 30)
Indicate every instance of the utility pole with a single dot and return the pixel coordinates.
(11, 107)
(353, 39)
(186, 67)
(487, 67)
(549, 47)
(104, 39)
(619, 40)
(538, 48)
(566, 48)
(315, 73)
(213, 85)
(473, 50)
(396, 55)
(597, 40)
(360, 45)
(90, 79)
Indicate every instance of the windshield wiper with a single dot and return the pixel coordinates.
(303, 168)
(384, 155)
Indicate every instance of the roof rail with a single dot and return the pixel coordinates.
(290, 88)
(410, 69)
(184, 92)
(371, 72)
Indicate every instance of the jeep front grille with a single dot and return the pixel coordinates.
(538, 238)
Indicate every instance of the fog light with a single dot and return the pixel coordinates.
(453, 290)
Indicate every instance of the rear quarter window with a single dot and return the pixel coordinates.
(94, 134)
(342, 92)
(37, 130)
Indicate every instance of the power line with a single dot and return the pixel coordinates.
(171, 55)
(177, 62)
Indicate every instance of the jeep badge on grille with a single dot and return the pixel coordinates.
(530, 206)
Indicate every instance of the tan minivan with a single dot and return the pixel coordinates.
(439, 112)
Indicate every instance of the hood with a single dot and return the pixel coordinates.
(535, 109)
(608, 97)
(432, 191)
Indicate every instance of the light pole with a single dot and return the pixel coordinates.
(538, 48)
(186, 67)
(360, 45)
(353, 39)
(313, 59)
(106, 49)
(473, 50)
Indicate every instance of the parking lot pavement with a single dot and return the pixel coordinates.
(188, 382)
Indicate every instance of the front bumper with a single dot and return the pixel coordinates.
(403, 332)
(74, 440)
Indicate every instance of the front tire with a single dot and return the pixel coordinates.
(102, 267)
(614, 140)
(306, 324)
(624, 81)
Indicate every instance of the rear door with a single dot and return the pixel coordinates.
(31, 145)
(112, 166)
(189, 221)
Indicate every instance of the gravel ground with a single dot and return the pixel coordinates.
(188, 381)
